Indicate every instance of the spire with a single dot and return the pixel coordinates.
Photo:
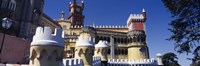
(70, 3)
(143, 10)
(62, 15)
(82, 1)
(74, 1)
(144, 13)
(93, 24)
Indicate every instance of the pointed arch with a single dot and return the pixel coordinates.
(43, 54)
(54, 55)
(12, 5)
(4, 4)
(33, 55)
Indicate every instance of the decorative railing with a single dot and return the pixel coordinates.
(79, 62)
(125, 62)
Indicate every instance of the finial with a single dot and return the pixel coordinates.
(74, 1)
(93, 24)
(62, 15)
(143, 10)
(82, 1)
(70, 2)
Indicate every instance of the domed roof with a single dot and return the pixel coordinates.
(84, 40)
(135, 32)
(159, 54)
(102, 44)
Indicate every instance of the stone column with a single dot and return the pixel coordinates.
(112, 47)
(101, 50)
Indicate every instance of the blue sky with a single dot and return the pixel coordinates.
(116, 12)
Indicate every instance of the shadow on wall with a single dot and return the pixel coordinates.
(15, 50)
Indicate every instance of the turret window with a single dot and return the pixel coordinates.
(4, 3)
(11, 6)
(64, 27)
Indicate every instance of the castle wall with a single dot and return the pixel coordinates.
(15, 50)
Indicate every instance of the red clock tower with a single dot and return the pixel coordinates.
(76, 16)
(137, 21)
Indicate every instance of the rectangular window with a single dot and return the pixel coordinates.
(64, 27)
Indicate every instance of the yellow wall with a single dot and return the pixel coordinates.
(67, 28)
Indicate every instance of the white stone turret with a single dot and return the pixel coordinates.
(43, 36)
(85, 47)
(46, 48)
(101, 51)
(159, 59)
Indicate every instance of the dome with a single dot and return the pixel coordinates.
(84, 40)
(102, 44)
(159, 54)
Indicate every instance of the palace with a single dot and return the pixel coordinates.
(75, 44)
(125, 42)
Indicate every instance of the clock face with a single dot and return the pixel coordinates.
(78, 9)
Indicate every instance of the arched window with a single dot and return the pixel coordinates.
(9, 4)
(12, 5)
(4, 4)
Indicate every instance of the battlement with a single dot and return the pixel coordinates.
(96, 61)
(43, 36)
(100, 26)
(135, 17)
(84, 40)
(132, 62)
(79, 62)
(72, 62)
(76, 26)
(102, 43)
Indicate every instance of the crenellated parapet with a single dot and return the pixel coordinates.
(140, 62)
(101, 26)
(107, 26)
(43, 36)
(137, 17)
(85, 40)
(76, 26)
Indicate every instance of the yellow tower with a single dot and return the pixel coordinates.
(101, 51)
(46, 48)
(137, 45)
(85, 46)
